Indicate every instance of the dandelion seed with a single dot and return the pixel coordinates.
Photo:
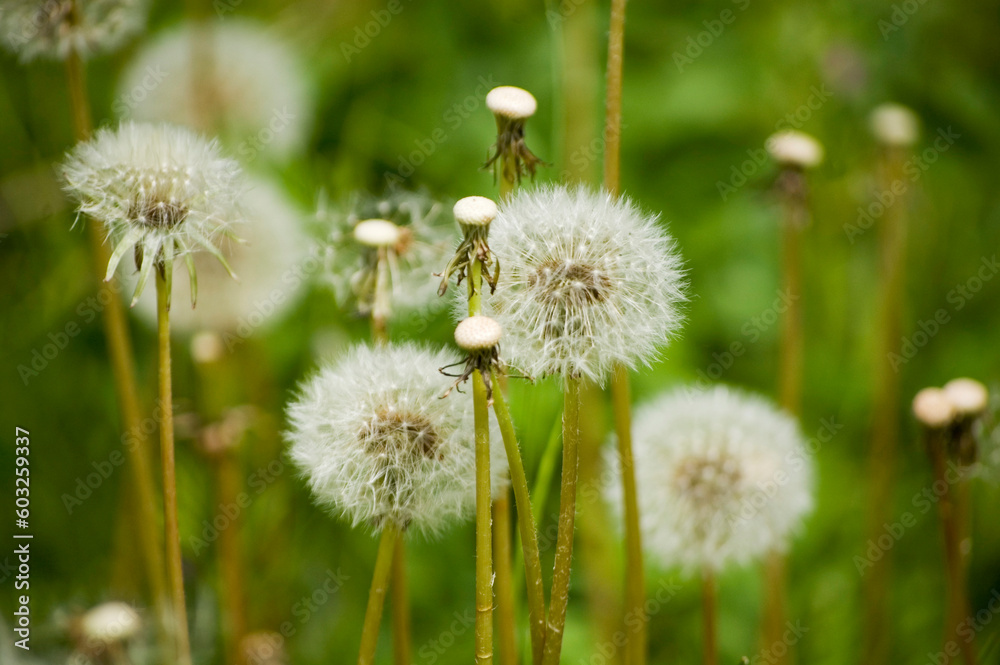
(54, 28)
(377, 445)
(235, 80)
(722, 478)
(160, 191)
(588, 281)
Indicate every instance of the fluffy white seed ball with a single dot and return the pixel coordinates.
(511, 102)
(933, 409)
(376, 233)
(895, 125)
(794, 148)
(377, 443)
(477, 333)
(968, 396)
(55, 28)
(475, 211)
(587, 280)
(722, 477)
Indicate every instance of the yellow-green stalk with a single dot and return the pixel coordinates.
(376, 594)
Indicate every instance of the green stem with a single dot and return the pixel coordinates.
(502, 561)
(613, 98)
(402, 642)
(710, 640)
(635, 584)
(525, 523)
(559, 597)
(484, 536)
(376, 594)
(172, 538)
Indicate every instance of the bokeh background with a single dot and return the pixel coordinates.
(691, 123)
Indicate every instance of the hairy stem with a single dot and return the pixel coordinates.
(484, 536)
(525, 523)
(172, 538)
(635, 584)
(710, 643)
(230, 557)
(559, 596)
(613, 98)
(506, 621)
(376, 594)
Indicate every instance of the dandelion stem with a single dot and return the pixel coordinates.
(175, 571)
(525, 523)
(635, 647)
(402, 642)
(951, 530)
(376, 595)
(635, 585)
(708, 600)
(119, 346)
(559, 596)
(506, 634)
(229, 486)
(885, 427)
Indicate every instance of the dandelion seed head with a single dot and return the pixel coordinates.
(968, 396)
(352, 266)
(158, 188)
(377, 443)
(51, 29)
(722, 478)
(795, 149)
(234, 79)
(273, 260)
(511, 102)
(477, 333)
(587, 280)
(933, 409)
(475, 211)
(895, 125)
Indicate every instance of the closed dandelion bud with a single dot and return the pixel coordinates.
(377, 444)
(474, 215)
(795, 149)
(933, 409)
(273, 260)
(474, 212)
(382, 253)
(479, 337)
(511, 107)
(588, 281)
(160, 191)
(895, 125)
(233, 79)
(722, 478)
(477, 333)
(55, 28)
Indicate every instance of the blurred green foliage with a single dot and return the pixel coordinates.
(422, 77)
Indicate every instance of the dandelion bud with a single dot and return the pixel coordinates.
(933, 409)
(722, 478)
(474, 211)
(377, 233)
(511, 102)
(795, 149)
(377, 444)
(968, 396)
(895, 125)
(477, 333)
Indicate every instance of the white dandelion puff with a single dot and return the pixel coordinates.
(722, 478)
(377, 443)
(393, 244)
(273, 260)
(55, 28)
(235, 80)
(159, 190)
(587, 280)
